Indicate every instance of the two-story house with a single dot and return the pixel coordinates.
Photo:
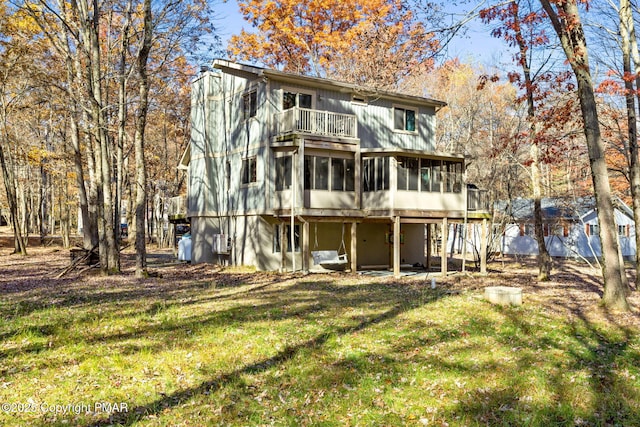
(282, 166)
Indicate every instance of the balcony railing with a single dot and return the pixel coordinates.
(477, 200)
(177, 208)
(325, 123)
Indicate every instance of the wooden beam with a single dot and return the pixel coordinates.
(396, 247)
(305, 246)
(483, 248)
(427, 259)
(443, 246)
(283, 246)
(354, 247)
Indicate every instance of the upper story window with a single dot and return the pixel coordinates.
(316, 173)
(283, 173)
(375, 174)
(342, 174)
(249, 170)
(430, 177)
(249, 104)
(408, 173)
(452, 172)
(329, 173)
(415, 174)
(359, 99)
(292, 99)
(404, 119)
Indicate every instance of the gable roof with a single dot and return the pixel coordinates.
(223, 64)
(554, 208)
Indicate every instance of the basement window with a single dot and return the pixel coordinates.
(277, 247)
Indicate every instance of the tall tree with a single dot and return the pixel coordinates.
(141, 171)
(631, 75)
(565, 19)
(18, 44)
(114, 52)
(365, 41)
(520, 27)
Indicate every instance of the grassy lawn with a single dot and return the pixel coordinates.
(200, 346)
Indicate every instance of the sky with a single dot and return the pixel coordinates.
(477, 46)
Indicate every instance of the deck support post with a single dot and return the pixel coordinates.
(283, 246)
(354, 246)
(305, 246)
(443, 246)
(396, 247)
(427, 260)
(483, 247)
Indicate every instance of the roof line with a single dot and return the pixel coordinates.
(321, 81)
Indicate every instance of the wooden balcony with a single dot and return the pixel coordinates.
(177, 211)
(478, 200)
(315, 122)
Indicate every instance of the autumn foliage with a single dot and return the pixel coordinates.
(370, 42)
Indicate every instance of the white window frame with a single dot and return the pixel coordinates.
(298, 91)
(416, 112)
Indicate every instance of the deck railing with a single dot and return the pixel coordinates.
(177, 207)
(477, 200)
(316, 122)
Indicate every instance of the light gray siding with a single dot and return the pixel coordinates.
(227, 135)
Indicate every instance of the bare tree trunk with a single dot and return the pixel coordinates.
(141, 171)
(8, 164)
(20, 245)
(109, 253)
(544, 260)
(570, 32)
(122, 118)
(630, 48)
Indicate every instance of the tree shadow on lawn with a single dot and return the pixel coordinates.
(26, 295)
(273, 298)
(364, 295)
(587, 383)
(121, 297)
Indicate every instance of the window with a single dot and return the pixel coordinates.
(529, 230)
(623, 230)
(593, 230)
(404, 119)
(249, 170)
(375, 174)
(342, 174)
(249, 104)
(427, 175)
(321, 173)
(452, 172)
(283, 173)
(277, 247)
(408, 173)
(557, 230)
(431, 175)
(294, 99)
(359, 99)
(324, 173)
